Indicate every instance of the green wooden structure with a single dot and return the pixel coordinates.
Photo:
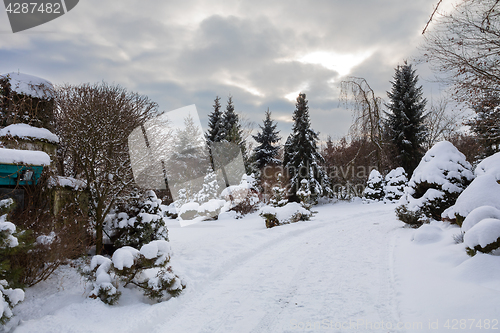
(19, 174)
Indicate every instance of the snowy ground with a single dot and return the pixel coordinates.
(353, 268)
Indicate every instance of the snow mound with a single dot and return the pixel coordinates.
(29, 85)
(30, 157)
(25, 131)
(481, 269)
(427, 234)
(484, 233)
(479, 214)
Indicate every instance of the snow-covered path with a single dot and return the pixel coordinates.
(353, 268)
(335, 270)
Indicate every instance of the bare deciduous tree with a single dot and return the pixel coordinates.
(94, 122)
(357, 94)
(464, 47)
(440, 123)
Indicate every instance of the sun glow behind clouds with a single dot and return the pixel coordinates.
(341, 63)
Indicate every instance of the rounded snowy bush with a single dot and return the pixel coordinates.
(479, 214)
(291, 212)
(483, 237)
(395, 181)
(483, 191)
(374, 190)
(146, 269)
(442, 174)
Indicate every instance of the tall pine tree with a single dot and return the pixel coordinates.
(266, 152)
(486, 124)
(216, 130)
(406, 117)
(232, 129)
(302, 159)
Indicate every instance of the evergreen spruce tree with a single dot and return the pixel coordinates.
(302, 159)
(486, 124)
(374, 190)
(267, 151)
(216, 131)
(405, 121)
(232, 129)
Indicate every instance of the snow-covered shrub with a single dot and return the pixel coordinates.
(291, 212)
(103, 282)
(442, 174)
(8, 297)
(146, 268)
(396, 181)
(305, 195)
(483, 237)
(483, 191)
(374, 190)
(278, 198)
(244, 197)
(140, 222)
(479, 214)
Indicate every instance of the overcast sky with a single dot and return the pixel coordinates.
(261, 52)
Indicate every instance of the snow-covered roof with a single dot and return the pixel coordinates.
(30, 157)
(26, 131)
(29, 85)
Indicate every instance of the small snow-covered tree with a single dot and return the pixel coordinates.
(301, 157)
(146, 268)
(278, 198)
(140, 222)
(374, 189)
(396, 181)
(436, 183)
(266, 152)
(304, 194)
(210, 188)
